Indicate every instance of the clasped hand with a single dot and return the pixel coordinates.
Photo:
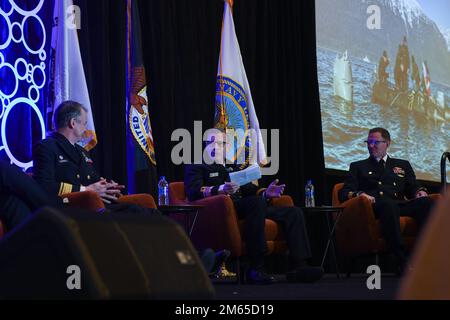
(109, 191)
(421, 193)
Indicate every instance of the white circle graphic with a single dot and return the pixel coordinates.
(25, 12)
(24, 72)
(8, 23)
(16, 86)
(14, 160)
(42, 32)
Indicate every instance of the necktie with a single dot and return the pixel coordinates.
(381, 163)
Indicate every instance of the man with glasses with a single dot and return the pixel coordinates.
(387, 183)
(212, 178)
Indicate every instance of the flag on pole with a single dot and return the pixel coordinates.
(141, 162)
(67, 79)
(234, 107)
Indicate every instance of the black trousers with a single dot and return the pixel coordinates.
(19, 195)
(254, 210)
(389, 212)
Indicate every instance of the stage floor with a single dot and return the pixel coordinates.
(328, 288)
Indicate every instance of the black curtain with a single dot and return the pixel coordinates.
(102, 42)
(181, 42)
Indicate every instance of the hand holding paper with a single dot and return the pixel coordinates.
(247, 175)
(228, 188)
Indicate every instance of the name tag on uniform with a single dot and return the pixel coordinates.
(213, 174)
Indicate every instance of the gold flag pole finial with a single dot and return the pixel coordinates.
(230, 2)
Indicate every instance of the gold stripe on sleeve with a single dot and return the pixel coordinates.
(65, 188)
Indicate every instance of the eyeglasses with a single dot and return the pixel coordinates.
(218, 142)
(375, 142)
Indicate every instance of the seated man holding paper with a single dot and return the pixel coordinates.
(205, 180)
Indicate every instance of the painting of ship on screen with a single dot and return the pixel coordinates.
(385, 63)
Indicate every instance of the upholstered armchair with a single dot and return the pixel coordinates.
(218, 226)
(142, 199)
(84, 200)
(91, 201)
(358, 231)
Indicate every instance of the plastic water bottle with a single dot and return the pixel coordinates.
(163, 192)
(309, 194)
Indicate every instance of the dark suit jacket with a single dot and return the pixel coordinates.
(197, 176)
(60, 167)
(396, 181)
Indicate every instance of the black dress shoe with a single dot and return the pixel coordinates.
(219, 270)
(259, 277)
(221, 257)
(305, 274)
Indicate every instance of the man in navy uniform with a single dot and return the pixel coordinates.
(205, 180)
(387, 183)
(61, 165)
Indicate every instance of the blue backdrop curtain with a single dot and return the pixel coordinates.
(25, 29)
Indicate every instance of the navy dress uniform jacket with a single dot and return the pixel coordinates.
(60, 167)
(198, 176)
(395, 181)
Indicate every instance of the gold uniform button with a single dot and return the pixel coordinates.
(379, 182)
(78, 176)
(88, 177)
(381, 193)
(370, 172)
(395, 184)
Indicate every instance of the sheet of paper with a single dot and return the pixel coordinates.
(247, 175)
